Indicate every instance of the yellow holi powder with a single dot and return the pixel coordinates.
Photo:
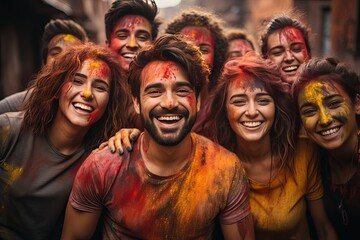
(69, 38)
(87, 93)
(14, 172)
(313, 92)
(5, 132)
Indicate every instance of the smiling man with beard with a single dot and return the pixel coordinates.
(175, 184)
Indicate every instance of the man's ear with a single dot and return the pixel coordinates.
(357, 104)
(198, 103)
(136, 105)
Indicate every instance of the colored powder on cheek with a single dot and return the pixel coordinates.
(93, 117)
(191, 101)
(14, 172)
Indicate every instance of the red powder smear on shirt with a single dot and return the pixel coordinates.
(93, 116)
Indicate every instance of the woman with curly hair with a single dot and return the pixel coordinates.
(327, 95)
(77, 101)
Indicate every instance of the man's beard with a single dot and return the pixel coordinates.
(177, 136)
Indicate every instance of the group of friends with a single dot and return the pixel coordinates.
(189, 134)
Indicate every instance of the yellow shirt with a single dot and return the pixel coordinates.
(279, 207)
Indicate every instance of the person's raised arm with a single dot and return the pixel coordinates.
(79, 224)
(244, 229)
(126, 136)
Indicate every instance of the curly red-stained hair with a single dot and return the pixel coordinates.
(42, 105)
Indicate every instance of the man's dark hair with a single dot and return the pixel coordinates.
(60, 26)
(121, 8)
(173, 48)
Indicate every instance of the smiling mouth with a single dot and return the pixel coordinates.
(329, 131)
(83, 107)
(290, 69)
(251, 124)
(169, 119)
(128, 55)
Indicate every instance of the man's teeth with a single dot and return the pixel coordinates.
(129, 55)
(169, 118)
(251, 124)
(83, 107)
(291, 68)
(329, 132)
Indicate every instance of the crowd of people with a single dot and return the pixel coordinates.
(194, 133)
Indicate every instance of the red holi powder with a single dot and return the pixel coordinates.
(130, 22)
(199, 35)
(291, 34)
(191, 100)
(93, 116)
(169, 73)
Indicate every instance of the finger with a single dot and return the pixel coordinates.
(124, 137)
(134, 134)
(117, 143)
(103, 145)
(111, 144)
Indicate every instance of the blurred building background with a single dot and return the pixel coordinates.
(335, 27)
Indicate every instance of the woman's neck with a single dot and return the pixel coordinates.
(65, 137)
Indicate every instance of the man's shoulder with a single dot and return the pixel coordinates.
(103, 159)
(214, 151)
(202, 141)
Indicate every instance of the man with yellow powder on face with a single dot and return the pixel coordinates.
(175, 184)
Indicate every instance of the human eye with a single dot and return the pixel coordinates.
(154, 92)
(335, 103)
(183, 91)
(277, 52)
(205, 50)
(143, 37)
(54, 53)
(263, 101)
(308, 111)
(101, 88)
(122, 35)
(77, 81)
(238, 102)
(297, 48)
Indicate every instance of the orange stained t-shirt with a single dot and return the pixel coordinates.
(279, 207)
(140, 205)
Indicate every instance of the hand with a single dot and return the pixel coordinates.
(126, 136)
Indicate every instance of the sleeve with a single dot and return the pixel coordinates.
(315, 188)
(13, 102)
(86, 194)
(237, 206)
